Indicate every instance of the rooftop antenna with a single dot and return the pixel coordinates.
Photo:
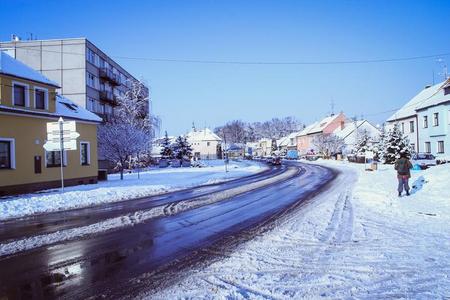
(332, 107)
(193, 126)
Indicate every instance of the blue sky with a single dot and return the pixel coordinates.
(267, 31)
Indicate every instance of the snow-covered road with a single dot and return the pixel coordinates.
(357, 240)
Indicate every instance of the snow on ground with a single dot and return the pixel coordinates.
(357, 240)
(154, 181)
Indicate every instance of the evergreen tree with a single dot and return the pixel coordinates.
(394, 143)
(167, 151)
(274, 146)
(182, 148)
(363, 143)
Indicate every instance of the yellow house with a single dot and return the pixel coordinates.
(28, 100)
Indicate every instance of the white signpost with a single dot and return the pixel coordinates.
(368, 155)
(61, 136)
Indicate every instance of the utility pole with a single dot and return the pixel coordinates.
(225, 152)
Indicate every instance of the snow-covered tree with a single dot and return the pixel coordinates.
(127, 135)
(328, 144)
(119, 141)
(166, 151)
(274, 147)
(182, 148)
(363, 142)
(394, 143)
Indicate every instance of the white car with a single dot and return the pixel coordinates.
(424, 160)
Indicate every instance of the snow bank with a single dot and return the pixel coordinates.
(151, 182)
(357, 240)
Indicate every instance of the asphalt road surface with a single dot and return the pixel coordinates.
(124, 261)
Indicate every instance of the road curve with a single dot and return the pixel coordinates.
(110, 264)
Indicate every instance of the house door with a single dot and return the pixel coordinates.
(37, 165)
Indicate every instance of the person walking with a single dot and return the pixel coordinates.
(403, 166)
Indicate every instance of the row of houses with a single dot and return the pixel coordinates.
(425, 120)
(303, 140)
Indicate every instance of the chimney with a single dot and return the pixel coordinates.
(15, 38)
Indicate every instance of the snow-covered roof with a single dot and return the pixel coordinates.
(67, 108)
(286, 141)
(13, 67)
(437, 98)
(349, 127)
(203, 135)
(307, 129)
(321, 125)
(423, 99)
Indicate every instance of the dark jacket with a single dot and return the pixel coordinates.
(403, 166)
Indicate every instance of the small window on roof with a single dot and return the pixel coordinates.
(70, 106)
(447, 90)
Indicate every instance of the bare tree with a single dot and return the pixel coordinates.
(241, 132)
(328, 144)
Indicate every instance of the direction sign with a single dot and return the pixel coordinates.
(67, 137)
(52, 146)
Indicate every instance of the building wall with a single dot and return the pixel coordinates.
(303, 144)
(29, 134)
(433, 134)
(206, 151)
(6, 92)
(339, 121)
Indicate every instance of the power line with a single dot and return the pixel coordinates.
(233, 62)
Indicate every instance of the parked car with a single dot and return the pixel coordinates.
(276, 161)
(424, 160)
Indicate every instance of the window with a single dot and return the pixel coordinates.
(90, 104)
(7, 153)
(440, 147)
(91, 80)
(413, 146)
(102, 108)
(411, 126)
(85, 156)
(447, 90)
(436, 119)
(102, 62)
(208, 143)
(425, 121)
(91, 56)
(40, 98)
(427, 147)
(53, 159)
(19, 95)
(403, 127)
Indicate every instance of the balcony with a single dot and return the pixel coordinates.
(106, 96)
(109, 76)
